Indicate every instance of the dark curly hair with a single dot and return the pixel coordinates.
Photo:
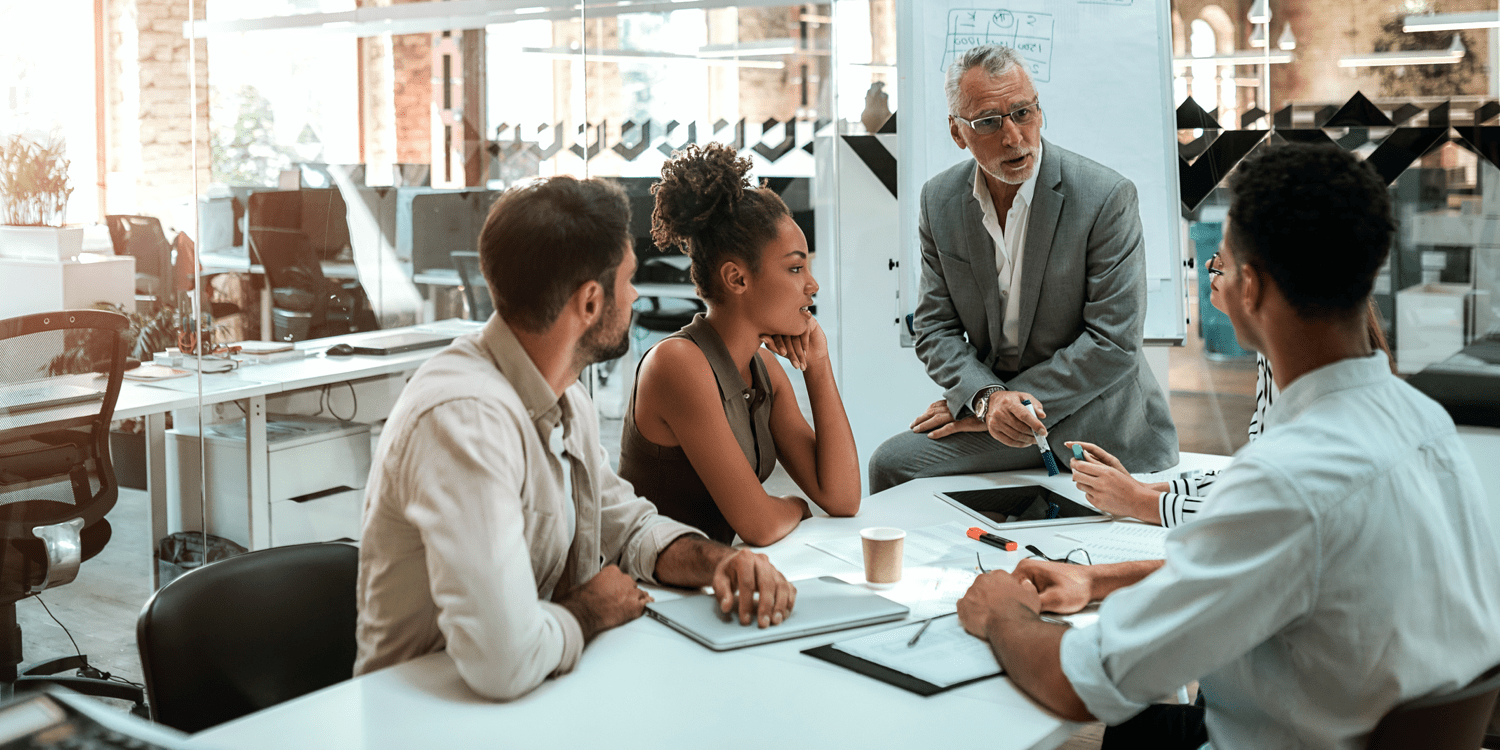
(544, 239)
(1317, 220)
(706, 207)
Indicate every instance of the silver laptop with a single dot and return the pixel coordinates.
(823, 605)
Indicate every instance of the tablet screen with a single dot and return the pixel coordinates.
(1014, 504)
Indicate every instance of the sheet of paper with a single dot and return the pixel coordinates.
(923, 546)
(926, 591)
(1119, 542)
(945, 655)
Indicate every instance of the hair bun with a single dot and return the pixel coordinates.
(699, 188)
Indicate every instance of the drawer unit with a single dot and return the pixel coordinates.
(316, 467)
(318, 517)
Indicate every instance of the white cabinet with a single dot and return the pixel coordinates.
(35, 286)
(316, 471)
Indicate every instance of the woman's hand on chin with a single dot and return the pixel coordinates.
(802, 350)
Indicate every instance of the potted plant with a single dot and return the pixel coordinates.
(34, 191)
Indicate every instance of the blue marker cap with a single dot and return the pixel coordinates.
(1077, 452)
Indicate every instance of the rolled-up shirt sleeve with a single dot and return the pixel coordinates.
(632, 534)
(465, 468)
(1232, 579)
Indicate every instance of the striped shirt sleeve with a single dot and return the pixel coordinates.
(1184, 497)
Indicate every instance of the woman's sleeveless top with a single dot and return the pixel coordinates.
(663, 474)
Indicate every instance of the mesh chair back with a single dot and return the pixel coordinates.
(249, 632)
(277, 243)
(60, 375)
(59, 378)
(476, 291)
(1455, 721)
(142, 238)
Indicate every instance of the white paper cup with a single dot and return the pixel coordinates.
(883, 548)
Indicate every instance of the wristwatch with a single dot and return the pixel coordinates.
(983, 400)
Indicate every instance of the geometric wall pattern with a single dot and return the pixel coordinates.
(1204, 163)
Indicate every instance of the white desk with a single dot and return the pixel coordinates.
(645, 686)
(250, 385)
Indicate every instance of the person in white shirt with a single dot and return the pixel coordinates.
(1345, 565)
(494, 527)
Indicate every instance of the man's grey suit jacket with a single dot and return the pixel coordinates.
(1082, 306)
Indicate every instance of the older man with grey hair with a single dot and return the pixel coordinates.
(1033, 290)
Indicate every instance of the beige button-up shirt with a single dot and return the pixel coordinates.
(464, 545)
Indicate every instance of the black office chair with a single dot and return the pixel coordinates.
(662, 314)
(234, 637)
(142, 237)
(476, 291)
(1455, 721)
(304, 303)
(60, 374)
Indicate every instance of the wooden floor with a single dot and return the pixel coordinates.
(1211, 402)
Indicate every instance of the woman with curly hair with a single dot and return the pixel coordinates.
(711, 412)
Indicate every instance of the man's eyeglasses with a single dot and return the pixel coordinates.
(1022, 116)
(1214, 268)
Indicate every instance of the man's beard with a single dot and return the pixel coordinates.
(599, 343)
(999, 171)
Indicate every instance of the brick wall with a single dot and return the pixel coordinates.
(151, 107)
(411, 58)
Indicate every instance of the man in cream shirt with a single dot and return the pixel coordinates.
(494, 526)
(1345, 566)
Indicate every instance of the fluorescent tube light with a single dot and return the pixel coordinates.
(1242, 57)
(1484, 19)
(1453, 54)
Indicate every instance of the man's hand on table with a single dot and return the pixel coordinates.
(742, 580)
(607, 600)
(995, 594)
(740, 576)
(1063, 588)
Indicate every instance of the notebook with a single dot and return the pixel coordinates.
(823, 605)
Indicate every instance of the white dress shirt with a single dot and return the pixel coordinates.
(1010, 245)
(473, 528)
(1345, 566)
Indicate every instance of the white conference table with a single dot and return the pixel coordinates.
(250, 385)
(645, 686)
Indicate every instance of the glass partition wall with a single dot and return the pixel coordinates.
(350, 154)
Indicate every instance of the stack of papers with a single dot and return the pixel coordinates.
(1119, 541)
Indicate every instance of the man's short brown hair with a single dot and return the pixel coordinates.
(544, 239)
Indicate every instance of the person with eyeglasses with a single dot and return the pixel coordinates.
(1108, 485)
(1345, 566)
(1033, 288)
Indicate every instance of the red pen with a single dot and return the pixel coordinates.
(981, 535)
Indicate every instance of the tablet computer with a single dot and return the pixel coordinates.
(823, 605)
(1020, 507)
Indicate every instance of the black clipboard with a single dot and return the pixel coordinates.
(885, 674)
